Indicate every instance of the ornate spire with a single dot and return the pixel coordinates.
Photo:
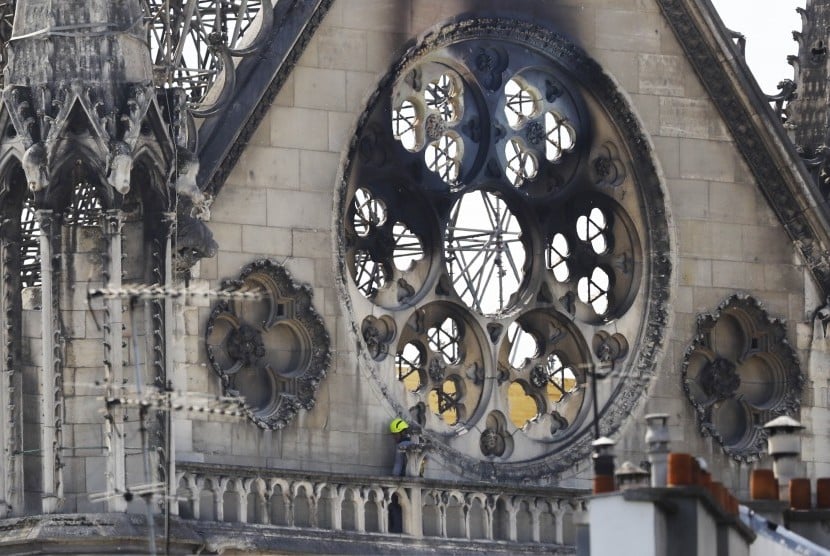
(808, 112)
(98, 42)
(79, 86)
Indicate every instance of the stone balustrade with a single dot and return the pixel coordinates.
(370, 504)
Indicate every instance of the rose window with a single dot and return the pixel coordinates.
(740, 373)
(494, 204)
(271, 347)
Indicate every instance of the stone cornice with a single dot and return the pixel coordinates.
(758, 135)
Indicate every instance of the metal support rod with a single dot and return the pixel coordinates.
(595, 403)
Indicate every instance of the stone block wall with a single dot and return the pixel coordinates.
(278, 203)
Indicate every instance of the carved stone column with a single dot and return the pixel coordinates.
(11, 476)
(114, 361)
(49, 385)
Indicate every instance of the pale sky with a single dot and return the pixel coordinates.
(768, 26)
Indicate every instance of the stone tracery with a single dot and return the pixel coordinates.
(739, 373)
(273, 350)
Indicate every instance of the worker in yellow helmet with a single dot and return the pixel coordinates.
(400, 431)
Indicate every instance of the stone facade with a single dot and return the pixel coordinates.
(711, 223)
(725, 238)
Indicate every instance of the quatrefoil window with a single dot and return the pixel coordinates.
(545, 385)
(521, 164)
(739, 373)
(520, 102)
(369, 212)
(545, 133)
(405, 125)
(559, 136)
(270, 347)
(441, 95)
(443, 156)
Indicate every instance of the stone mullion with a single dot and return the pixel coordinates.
(219, 487)
(114, 361)
(198, 487)
(413, 523)
(535, 515)
(242, 499)
(559, 515)
(360, 500)
(467, 511)
(512, 511)
(490, 519)
(52, 363)
(383, 511)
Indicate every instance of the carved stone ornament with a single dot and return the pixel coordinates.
(271, 349)
(513, 233)
(194, 240)
(739, 373)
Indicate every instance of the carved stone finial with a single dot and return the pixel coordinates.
(822, 316)
(119, 166)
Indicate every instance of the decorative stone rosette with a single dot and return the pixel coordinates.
(739, 373)
(271, 347)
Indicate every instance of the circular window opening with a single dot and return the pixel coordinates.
(368, 212)
(410, 368)
(404, 122)
(484, 252)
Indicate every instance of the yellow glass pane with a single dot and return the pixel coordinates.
(523, 408)
(432, 401)
(412, 381)
(450, 416)
(554, 394)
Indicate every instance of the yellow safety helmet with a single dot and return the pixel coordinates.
(397, 425)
